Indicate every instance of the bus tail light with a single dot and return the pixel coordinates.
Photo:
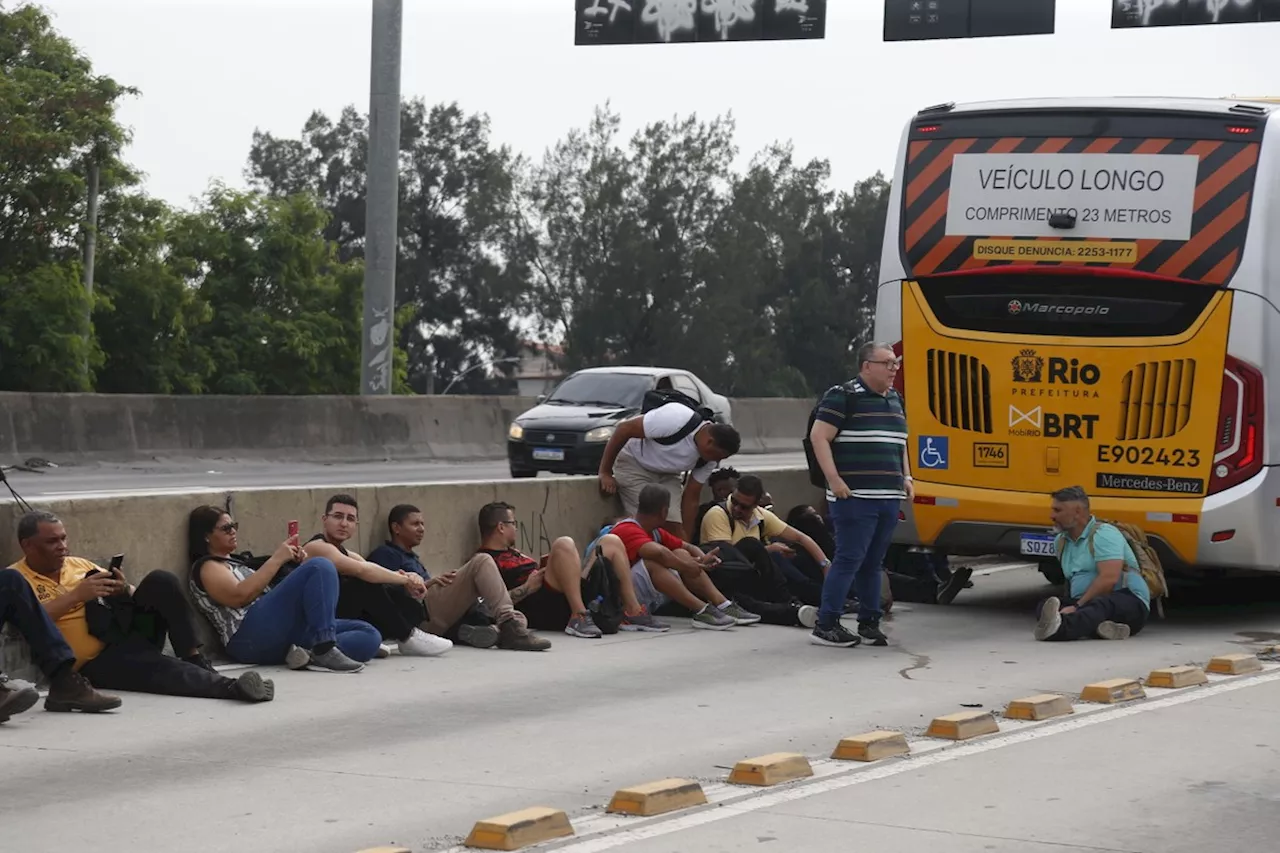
(1238, 450)
(899, 384)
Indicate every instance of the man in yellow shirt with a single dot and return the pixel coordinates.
(68, 690)
(744, 524)
(129, 656)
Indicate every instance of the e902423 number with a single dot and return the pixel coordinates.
(1133, 455)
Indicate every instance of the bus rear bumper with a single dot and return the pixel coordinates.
(1244, 521)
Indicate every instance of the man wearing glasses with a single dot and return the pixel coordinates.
(859, 439)
(390, 601)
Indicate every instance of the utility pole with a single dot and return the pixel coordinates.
(382, 199)
(90, 252)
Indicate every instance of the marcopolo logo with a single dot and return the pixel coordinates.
(1018, 307)
(1029, 369)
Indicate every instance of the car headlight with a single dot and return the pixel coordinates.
(600, 433)
(515, 432)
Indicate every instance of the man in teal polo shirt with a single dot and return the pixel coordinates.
(1108, 597)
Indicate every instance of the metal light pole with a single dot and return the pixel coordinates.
(382, 199)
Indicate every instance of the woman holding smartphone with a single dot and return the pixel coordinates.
(293, 622)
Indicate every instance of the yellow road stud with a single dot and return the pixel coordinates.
(871, 746)
(772, 769)
(1040, 707)
(519, 829)
(652, 798)
(1177, 676)
(1113, 690)
(964, 725)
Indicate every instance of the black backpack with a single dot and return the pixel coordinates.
(816, 477)
(657, 397)
(601, 595)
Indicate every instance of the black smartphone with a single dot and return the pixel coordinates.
(116, 562)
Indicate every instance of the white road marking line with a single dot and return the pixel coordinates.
(924, 754)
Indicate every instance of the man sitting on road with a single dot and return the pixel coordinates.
(656, 448)
(666, 569)
(742, 522)
(126, 652)
(68, 689)
(452, 595)
(390, 601)
(1108, 597)
(549, 591)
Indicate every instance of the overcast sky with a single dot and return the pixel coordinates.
(212, 72)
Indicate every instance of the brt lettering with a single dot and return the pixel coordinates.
(1069, 426)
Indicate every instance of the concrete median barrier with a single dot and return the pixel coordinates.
(151, 529)
(80, 428)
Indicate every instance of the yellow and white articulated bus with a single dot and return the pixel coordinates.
(1085, 292)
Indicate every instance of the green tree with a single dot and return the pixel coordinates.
(55, 115)
(146, 314)
(285, 311)
(456, 282)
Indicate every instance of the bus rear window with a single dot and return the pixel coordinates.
(1084, 306)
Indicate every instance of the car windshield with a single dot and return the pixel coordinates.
(602, 389)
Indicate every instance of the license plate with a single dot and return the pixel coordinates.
(548, 454)
(1038, 545)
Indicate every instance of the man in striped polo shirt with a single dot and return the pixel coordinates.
(859, 438)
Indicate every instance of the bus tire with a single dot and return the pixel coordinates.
(1052, 571)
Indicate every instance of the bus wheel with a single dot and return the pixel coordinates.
(1052, 572)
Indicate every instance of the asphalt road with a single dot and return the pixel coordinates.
(101, 480)
(415, 751)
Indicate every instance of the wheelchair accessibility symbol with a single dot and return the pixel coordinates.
(934, 452)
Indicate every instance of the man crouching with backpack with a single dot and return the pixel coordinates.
(1108, 597)
(655, 448)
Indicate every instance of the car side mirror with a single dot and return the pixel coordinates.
(541, 398)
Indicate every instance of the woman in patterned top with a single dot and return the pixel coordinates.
(292, 622)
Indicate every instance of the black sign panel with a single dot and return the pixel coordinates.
(915, 20)
(676, 21)
(1139, 14)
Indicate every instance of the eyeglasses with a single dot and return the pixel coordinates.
(229, 527)
(509, 521)
(892, 364)
(342, 516)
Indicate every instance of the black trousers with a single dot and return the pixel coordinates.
(19, 605)
(138, 662)
(388, 608)
(761, 589)
(1121, 606)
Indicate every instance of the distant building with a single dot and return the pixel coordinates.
(539, 368)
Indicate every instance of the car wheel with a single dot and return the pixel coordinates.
(521, 474)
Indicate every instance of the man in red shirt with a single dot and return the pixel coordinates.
(664, 568)
(549, 592)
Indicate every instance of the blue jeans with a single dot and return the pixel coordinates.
(863, 531)
(300, 612)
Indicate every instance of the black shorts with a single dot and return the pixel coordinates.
(546, 610)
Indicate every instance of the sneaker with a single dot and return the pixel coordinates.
(478, 636)
(808, 615)
(15, 701)
(1050, 618)
(1109, 630)
(420, 644)
(383, 652)
(581, 625)
(643, 621)
(951, 588)
(712, 618)
(332, 661)
(738, 615)
(297, 658)
(838, 636)
(252, 687)
(871, 631)
(515, 637)
(71, 691)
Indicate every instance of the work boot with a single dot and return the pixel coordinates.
(871, 631)
(948, 590)
(71, 691)
(515, 637)
(15, 701)
(252, 687)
